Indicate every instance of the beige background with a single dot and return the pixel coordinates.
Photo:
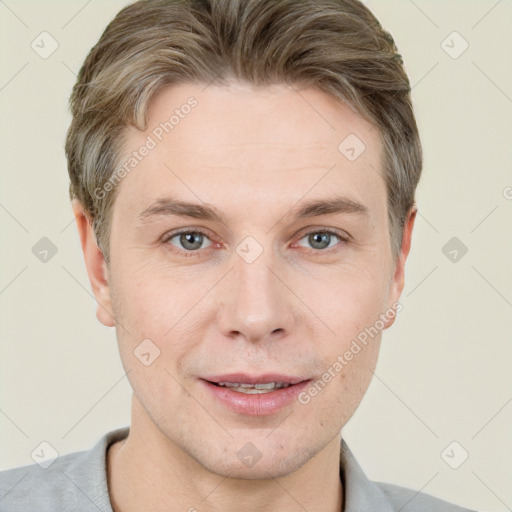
(445, 369)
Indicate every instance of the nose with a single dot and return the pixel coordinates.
(257, 305)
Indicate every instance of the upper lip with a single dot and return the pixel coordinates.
(244, 378)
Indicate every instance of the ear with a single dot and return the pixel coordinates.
(95, 264)
(398, 282)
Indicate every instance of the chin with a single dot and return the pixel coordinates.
(252, 463)
(262, 470)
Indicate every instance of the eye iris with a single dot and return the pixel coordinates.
(192, 241)
(320, 240)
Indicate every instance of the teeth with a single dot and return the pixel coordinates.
(252, 389)
(271, 385)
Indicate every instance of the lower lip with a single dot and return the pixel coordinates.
(261, 404)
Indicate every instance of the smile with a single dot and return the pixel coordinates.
(252, 389)
(254, 395)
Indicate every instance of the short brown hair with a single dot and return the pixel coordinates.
(337, 46)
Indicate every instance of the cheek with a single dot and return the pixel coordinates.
(150, 299)
(148, 337)
(156, 309)
(337, 392)
(350, 301)
(351, 306)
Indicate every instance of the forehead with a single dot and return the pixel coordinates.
(207, 140)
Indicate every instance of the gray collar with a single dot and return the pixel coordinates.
(359, 493)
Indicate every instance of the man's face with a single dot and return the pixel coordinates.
(259, 294)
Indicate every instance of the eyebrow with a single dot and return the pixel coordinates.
(314, 208)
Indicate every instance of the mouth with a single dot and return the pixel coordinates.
(242, 381)
(255, 395)
(252, 389)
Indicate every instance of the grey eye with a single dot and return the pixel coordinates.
(321, 239)
(189, 240)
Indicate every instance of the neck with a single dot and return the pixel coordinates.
(147, 471)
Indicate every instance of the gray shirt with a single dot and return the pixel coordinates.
(78, 482)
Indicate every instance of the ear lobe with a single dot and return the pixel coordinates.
(398, 282)
(95, 265)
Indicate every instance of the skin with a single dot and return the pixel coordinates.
(255, 155)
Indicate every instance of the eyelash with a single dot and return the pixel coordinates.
(342, 239)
